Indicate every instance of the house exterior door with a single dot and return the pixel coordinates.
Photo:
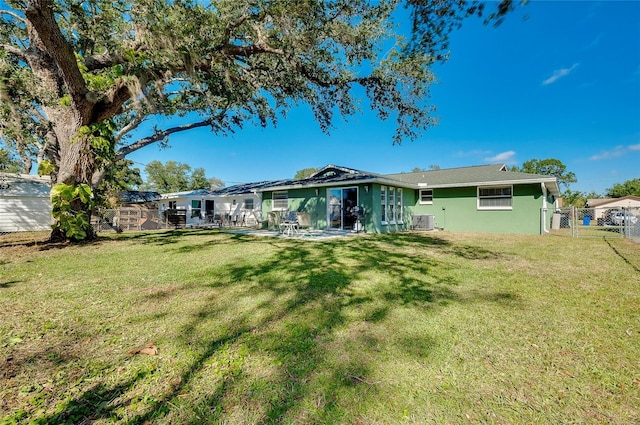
(341, 201)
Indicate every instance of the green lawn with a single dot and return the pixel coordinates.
(425, 328)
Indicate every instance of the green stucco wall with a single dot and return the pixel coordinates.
(316, 205)
(456, 209)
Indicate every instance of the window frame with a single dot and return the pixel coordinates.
(399, 206)
(383, 204)
(391, 205)
(280, 201)
(494, 196)
(196, 208)
(421, 193)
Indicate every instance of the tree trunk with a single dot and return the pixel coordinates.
(71, 195)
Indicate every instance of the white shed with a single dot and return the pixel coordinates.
(25, 203)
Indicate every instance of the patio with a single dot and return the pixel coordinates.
(301, 234)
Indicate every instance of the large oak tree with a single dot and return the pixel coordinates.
(77, 78)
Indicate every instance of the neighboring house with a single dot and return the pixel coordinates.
(473, 199)
(601, 206)
(25, 203)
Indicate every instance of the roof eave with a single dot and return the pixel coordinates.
(551, 184)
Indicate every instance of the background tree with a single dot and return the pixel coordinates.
(431, 167)
(76, 79)
(305, 172)
(215, 183)
(548, 167)
(175, 177)
(9, 163)
(119, 177)
(629, 187)
(577, 198)
(166, 178)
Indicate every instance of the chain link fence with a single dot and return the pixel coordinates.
(593, 222)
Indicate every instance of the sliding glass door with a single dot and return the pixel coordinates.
(341, 202)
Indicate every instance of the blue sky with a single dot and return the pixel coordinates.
(558, 79)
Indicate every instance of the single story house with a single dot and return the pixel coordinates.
(601, 206)
(25, 203)
(487, 198)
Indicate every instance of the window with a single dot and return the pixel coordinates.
(426, 196)
(383, 204)
(172, 205)
(391, 200)
(196, 206)
(495, 198)
(248, 204)
(399, 205)
(391, 204)
(280, 201)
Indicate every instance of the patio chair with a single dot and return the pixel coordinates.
(304, 220)
(305, 226)
(289, 224)
(273, 221)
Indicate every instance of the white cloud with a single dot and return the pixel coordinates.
(476, 152)
(507, 157)
(616, 152)
(559, 73)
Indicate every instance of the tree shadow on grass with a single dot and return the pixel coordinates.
(303, 297)
(306, 289)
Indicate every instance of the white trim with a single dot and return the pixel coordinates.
(273, 200)
(420, 201)
(495, 207)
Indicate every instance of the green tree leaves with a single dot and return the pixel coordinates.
(175, 177)
(549, 167)
(629, 187)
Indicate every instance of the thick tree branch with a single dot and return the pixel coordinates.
(13, 15)
(103, 61)
(41, 17)
(14, 51)
(160, 135)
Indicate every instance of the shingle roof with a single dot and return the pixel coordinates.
(474, 176)
(604, 201)
(331, 175)
(246, 188)
(334, 174)
(138, 196)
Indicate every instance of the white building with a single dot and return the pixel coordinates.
(230, 206)
(25, 203)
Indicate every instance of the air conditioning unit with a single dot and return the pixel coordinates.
(423, 222)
